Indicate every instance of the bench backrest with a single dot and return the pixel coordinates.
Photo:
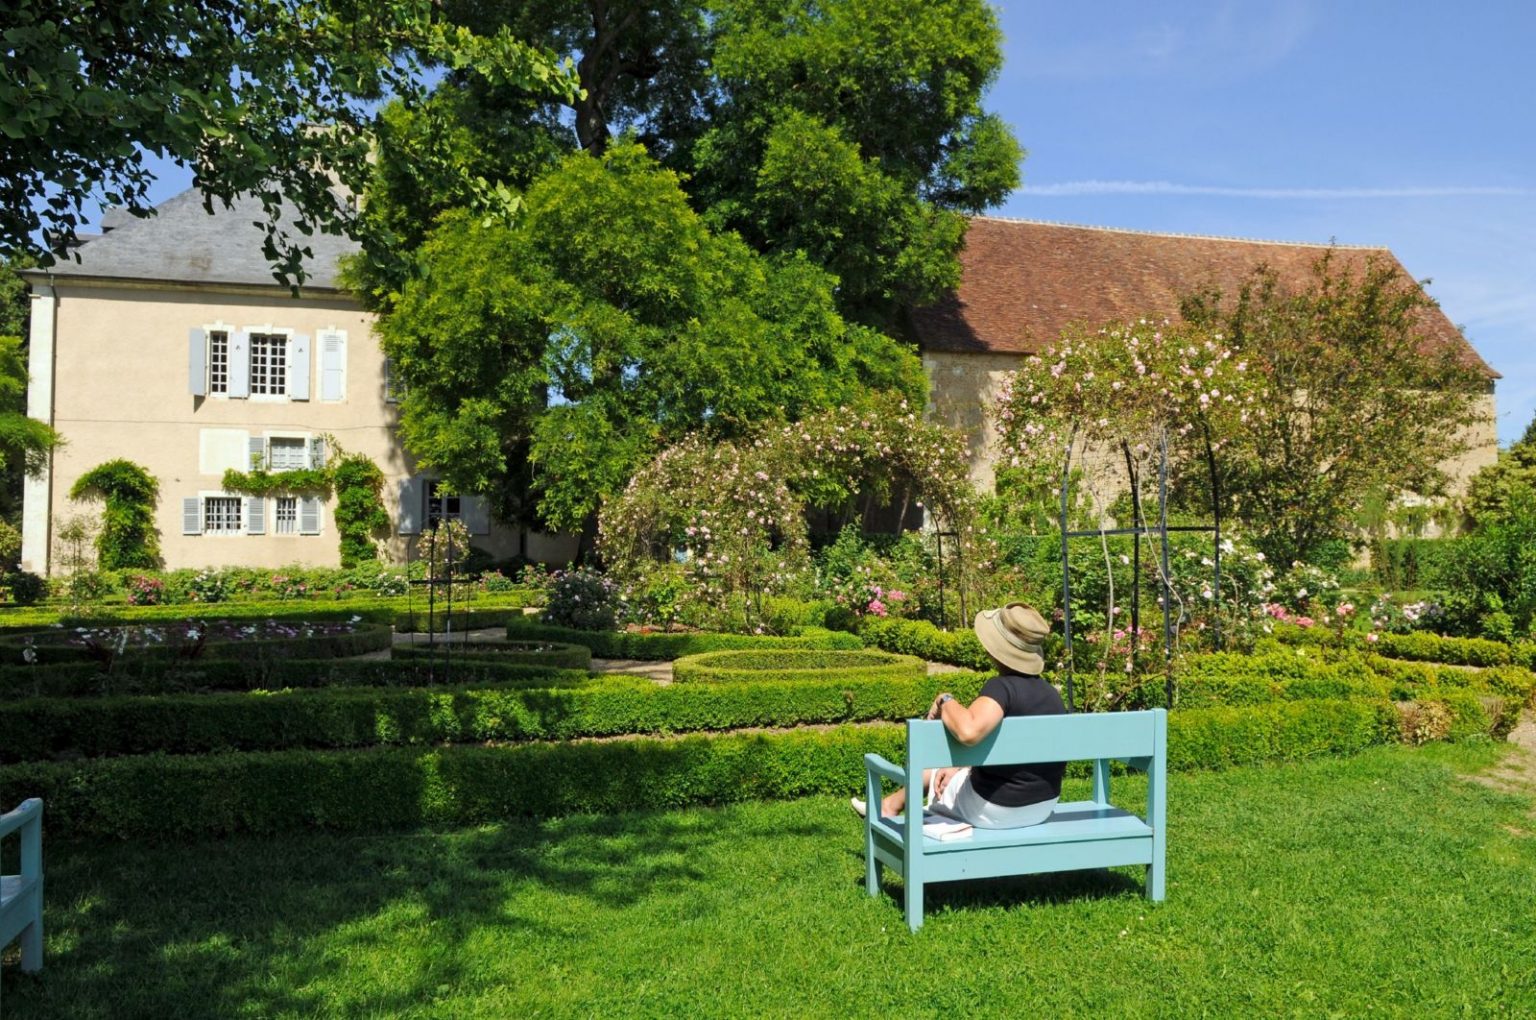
(1020, 740)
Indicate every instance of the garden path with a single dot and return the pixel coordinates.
(1516, 774)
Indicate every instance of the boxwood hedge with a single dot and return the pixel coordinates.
(528, 653)
(70, 680)
(166, 797)
(359, 717)
(607, 644)
(360, 639)
(342, 607)
(751, 666)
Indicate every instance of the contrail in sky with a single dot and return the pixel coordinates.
(1068, 189)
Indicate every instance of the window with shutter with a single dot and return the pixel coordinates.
(317, 452)
(191, 516)
(255, 515)
(409, 508)
(298, 367)
(287, 454)
(221, 515)
(286, 520)
(239, 359)
(197, 362)
(269, 365)
(258, 450)
(333, 364)
(309, 516)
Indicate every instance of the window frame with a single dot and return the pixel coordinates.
(229, 334)
(429, 494)
(277, 517)
(238, 502)
(268, 331)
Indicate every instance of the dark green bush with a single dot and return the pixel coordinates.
(924, 640)
(656, 647)
(26, 588)
(360, 640)
(554, 654)
(615, 705)
(1454, 651)
(174, 797)
(752, 666)
(68, 680)
(419, 621)
(128, 537)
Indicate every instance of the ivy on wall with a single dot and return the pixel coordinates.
(357, 482)
(128, 537)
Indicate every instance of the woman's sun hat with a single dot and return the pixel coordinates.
(1015, 636)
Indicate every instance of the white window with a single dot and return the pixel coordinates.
(287, 517)
(286, 453)
(221, 515)
(218, 361)
(269, 364)
(441, 506)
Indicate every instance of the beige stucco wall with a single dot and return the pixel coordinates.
(121, 390)
(964, 387)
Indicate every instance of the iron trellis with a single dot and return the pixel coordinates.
(1138, 531)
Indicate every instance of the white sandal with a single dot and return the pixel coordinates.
(858, 807)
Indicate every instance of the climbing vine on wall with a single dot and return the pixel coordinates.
(279, 483)
(128, 537)
(357, 483)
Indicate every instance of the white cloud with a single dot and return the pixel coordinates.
(1071, 189)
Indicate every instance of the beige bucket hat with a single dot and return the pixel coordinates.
(1015, 636)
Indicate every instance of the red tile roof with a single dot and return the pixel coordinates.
(1022, 282)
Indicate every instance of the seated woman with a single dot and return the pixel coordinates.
(996, 796)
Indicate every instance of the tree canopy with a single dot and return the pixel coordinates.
(268, 97)
(605, 320)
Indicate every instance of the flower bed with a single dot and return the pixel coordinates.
(248, 640)
(554, 654)
(795, 665)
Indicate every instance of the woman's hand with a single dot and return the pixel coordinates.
(935, 709)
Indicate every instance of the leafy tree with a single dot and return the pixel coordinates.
(1356, 399)
(269, 97)
(128, 537)
(608, 320)
(1497, 488)
(850, 131)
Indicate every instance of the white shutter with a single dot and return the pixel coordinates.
(298, 367)
(197, 362)
(333, 364)
(191, 516)
(255, 515)
(309, 516)
(258, 448)
(317, 452)
(411, 510)
(475, 514)
(240, 364)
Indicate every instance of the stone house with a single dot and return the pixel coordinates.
(1022, 282)
(170, 343)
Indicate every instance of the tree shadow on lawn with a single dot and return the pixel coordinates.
(312, 923)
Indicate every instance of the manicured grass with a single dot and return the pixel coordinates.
(1377, 885)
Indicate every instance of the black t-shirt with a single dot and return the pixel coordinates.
(1018, 785)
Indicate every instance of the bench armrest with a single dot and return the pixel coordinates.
(878, 766)
(13, 820)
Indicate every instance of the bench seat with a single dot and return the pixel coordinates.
(1078, 835)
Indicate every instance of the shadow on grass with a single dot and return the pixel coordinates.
(330, 924)
(1049, 889)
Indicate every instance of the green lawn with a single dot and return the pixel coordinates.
(1379, 885)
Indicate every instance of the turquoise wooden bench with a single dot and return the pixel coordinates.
(1085, 834)
(21, 896)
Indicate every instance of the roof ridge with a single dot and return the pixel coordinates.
(1170, 233)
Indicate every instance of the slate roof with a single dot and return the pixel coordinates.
(183, 244)
(1023, 281)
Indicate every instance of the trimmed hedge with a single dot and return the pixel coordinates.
(1422, 647)
(607, 644)
(86, 679)
(795, 666)
(169, 797)
(362, 639)
(419, 621)
(554, 654)
(924, 640)
(370, 607)
(360, 717)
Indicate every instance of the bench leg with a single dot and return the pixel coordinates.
(871, 864)
(32, 946)
(1157, 879)
(914, 896)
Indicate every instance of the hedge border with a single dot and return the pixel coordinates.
(159, 797)
(607, 644)
(717, 668)
(557, 654)
(362, 639)
(371, 607)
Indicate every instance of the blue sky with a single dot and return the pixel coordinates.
(1406, 124)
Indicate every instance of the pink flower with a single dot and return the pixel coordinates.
(1305, 621)
(877, 607)
(1373, 637)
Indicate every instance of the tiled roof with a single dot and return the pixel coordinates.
(1022, 282)
(182, 243)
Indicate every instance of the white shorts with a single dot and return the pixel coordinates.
(961, 802)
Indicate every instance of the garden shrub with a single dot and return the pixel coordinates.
(793, 665)
(614, 705)
(128, 537)
(26, 588)
(259, 642)
(554, 654)
(158, 797)
(1454, 651)
(924, 640)
(359, 513)
(655, 647)
(582, 600)
(86, 679)
(420, 621)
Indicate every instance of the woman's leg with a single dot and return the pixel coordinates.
(896, 801)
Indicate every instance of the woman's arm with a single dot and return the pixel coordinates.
(970, 725)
